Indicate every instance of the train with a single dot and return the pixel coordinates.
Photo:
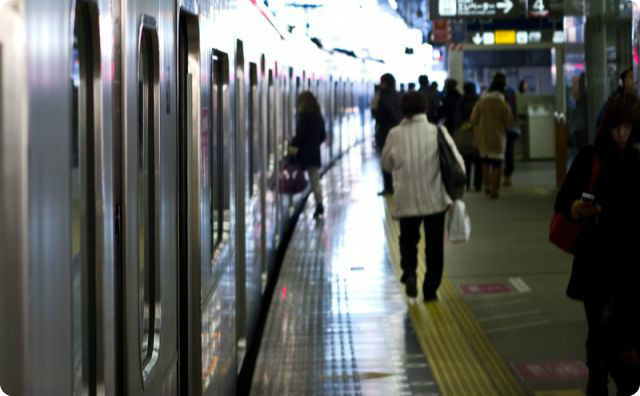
(139, 224)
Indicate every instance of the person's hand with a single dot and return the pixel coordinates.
(581, 210)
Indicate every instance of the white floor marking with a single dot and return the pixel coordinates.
(520, 285)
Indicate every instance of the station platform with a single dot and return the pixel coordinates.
(340, 324)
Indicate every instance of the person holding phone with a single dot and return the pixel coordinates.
(607, 260)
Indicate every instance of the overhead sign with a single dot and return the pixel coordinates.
(476, 9)
(505, 36)
(545, 8)
(511, 37)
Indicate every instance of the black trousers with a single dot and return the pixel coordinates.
(509, 155)
(434, 235)
(596, 348)
(473, 162)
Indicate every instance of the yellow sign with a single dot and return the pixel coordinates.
(505, 36)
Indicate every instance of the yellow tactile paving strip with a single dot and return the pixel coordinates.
(463, 360)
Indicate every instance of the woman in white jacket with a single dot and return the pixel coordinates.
(411, 155)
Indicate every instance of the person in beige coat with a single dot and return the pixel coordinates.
(411, 155)
(491, 118)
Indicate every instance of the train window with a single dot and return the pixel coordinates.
(252, 135)
(83, 198)
(220, 193)
(149, 299)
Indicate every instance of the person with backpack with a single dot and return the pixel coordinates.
(602, 192)
(464, 134)
(411, 153)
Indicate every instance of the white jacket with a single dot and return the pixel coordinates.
(411, 154)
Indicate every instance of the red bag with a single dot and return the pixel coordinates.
(562, 232)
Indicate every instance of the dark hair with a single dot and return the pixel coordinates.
(623, 75)
(423, 80)
(499, 82)
(469, 88)
(521, 85)
(619, 110)
(413, 103)
(306, 102)
(450, 84)
(390, 80)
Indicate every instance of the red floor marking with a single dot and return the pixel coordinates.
(561, 370)
(485, 288)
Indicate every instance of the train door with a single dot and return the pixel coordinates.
(188, 199)
(145, 153)
(13, 199)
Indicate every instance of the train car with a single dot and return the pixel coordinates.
(140, 214)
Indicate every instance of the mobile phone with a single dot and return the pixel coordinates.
(588, 197)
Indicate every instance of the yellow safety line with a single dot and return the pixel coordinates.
(462, 358)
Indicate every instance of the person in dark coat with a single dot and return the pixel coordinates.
(387, 116)
(427, 94)
(449, 104)
(464, 131)
(606, 262)
(310, 133)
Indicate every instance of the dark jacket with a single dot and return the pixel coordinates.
(387, 115)
(465, 108)
(432, 103)
(448, 107)
(310, 134)
(606, 256)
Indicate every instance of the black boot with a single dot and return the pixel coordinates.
(411, 288)
(597, 384)
(319, 211)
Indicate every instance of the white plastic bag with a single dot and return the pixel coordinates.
(458, 222)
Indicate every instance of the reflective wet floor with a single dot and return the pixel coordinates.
(340, 324)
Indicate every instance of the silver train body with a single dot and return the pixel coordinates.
(139, 209)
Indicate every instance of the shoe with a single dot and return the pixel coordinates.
(493, 195)
(385, 192)
(319, 211)
(429, 296)
(411, 289)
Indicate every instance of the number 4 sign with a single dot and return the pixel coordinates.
(538, 8)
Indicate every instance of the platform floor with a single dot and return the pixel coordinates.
(341, 325)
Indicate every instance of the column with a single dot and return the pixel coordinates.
(456, 66)
(596, 59)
